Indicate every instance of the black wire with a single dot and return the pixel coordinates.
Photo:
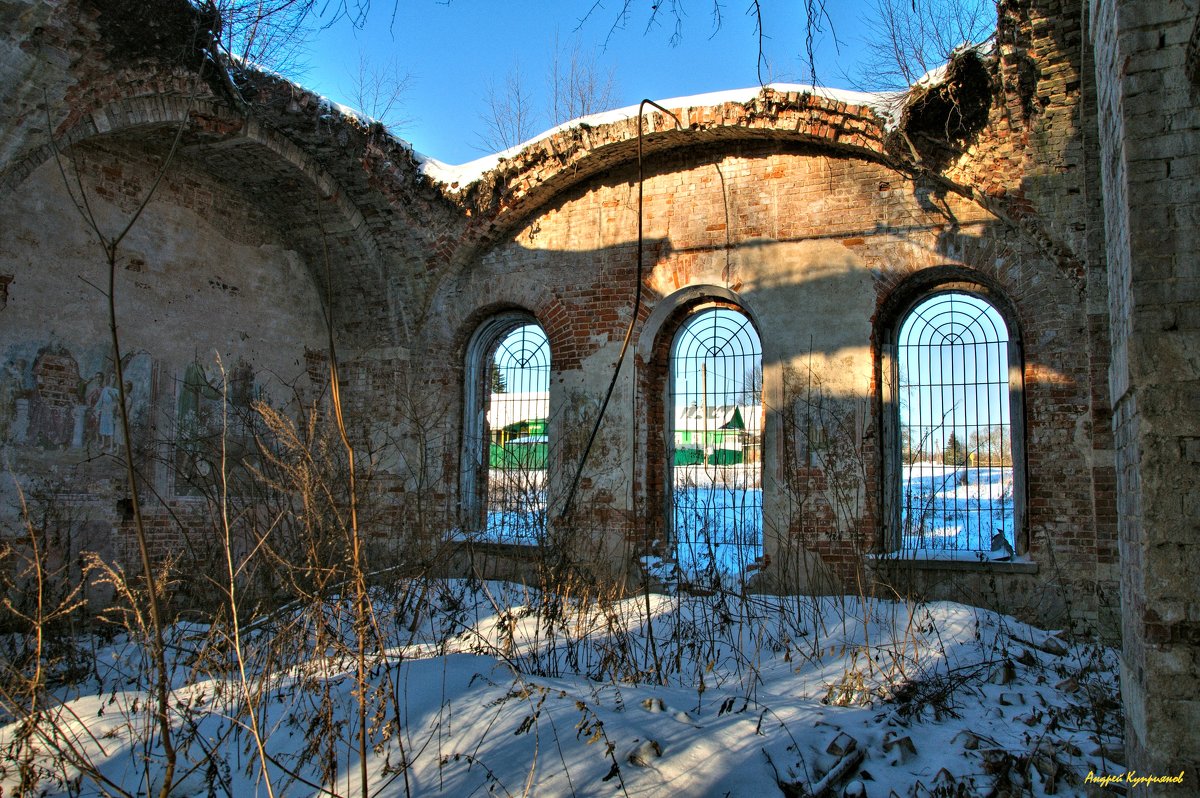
(637, 306)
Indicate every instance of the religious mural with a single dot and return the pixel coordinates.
(63, 405)
(55, 400)
(215, 423)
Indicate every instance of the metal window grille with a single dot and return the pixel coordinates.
(516, 442)
(714, 445)
(956, 477)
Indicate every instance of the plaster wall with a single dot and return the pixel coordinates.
(814, 248)
(203, 285)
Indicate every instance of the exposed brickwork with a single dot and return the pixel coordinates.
(1150, 136)
(807, 212)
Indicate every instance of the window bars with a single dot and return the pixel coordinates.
(714, 444)
(516, 442)
(955, 428)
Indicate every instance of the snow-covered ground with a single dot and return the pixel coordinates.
(956, 508)
(717, 514)
(718, 528)
(495, 689)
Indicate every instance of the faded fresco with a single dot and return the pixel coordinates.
(215, 423)
(53, 399)
(63, 405)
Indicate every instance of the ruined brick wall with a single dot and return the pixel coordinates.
(1145, 64)
(817, 227)
(210, 301)
(262, 223)
(1036, 165)
(802, 210)
(812, 244)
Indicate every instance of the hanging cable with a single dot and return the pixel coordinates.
(637, 306)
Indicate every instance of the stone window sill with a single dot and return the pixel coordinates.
(480, 540)
(947, 561)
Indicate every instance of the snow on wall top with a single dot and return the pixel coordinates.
(458, 177)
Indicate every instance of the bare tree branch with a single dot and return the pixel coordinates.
(904, 41)
(508, 117)
(272, 33)
(578, 85)
(378, 91)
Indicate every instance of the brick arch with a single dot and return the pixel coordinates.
(568, 332)
(897, 298)
(1001, 269)
(239, 151)
(668, 313)
(507, 195)
(211, 122)
(466, 328)
(655, 341)
(521, 186)
(459, 320)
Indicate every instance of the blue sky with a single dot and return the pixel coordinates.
(452, 49)
(954, 369)
(727, 345)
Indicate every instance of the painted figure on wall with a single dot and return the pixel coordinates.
(105, 414)
(197, 429)
(91, 416)
(215, 422)
(197, 403)
(138, 371)
(13, 400)
(52, 406)
(46, 405)
(243, 393)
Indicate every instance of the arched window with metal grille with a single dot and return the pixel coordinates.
(957, 481)
(507, 439)
(714, 444)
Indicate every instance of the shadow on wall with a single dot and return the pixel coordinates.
(816, 300)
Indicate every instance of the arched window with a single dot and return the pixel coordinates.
(956, 479)
(714, 444)
(507, 436)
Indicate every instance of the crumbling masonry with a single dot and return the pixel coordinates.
(1058, 175)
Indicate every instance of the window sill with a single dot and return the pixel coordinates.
(482, 540)
(953, 561)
